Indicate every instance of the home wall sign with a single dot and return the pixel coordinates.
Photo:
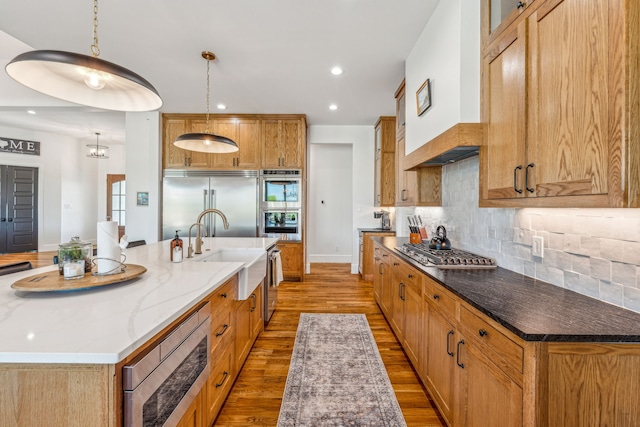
(19, 146)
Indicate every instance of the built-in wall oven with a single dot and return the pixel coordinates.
(160, 386)
(280, 189)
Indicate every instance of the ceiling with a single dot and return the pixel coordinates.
(273, 56)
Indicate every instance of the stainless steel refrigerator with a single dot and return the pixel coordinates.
(185, 194)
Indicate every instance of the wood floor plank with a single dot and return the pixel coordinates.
(256, 395)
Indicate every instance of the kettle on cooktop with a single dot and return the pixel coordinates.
(439, 241)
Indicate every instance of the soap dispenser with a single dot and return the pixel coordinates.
(176, 248)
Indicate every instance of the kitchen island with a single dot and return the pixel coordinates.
(509, 350)
(58, 347)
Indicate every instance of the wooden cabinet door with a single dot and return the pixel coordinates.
(378, 270)
(194, 416)
(386, 286)
(257, 317)
(292, 144)
(198, 159)
(413, 309)
(248, 134)
(397, 288)
(229, 129)
(244, 331)
(406, 181)
(504, 86)
(291, 255)
(377, 180)
(173, 156)
(271, 144)
(439, 350)
(570, 97)
(487, 396)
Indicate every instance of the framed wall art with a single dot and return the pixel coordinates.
(423, 97)
(143, 198)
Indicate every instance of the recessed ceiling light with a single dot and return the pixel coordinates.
(333, 107)
(336, 71)
(221, 107)
(31, 112)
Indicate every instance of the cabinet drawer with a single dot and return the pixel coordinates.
(221, 329)
(222, 298)
(442, 298)
(219, 383)
(511, 352)
(410, 277)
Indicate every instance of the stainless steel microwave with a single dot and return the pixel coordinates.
(280, 189)
(282, 224)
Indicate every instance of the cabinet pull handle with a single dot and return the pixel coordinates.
(255, 302)
(436, 296)
(461, 342)
(224, 295)
(526, 178)
(384, 255)
(378, 198)
(410, 276)
(520, 5)
(400, 293)
(380, 268)
(395, 264)
(402, 197)
(225, 375)
(515, 179)
(449, 352)
(483, 333)
(224, 329)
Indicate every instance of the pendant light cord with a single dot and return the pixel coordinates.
(207, 127)
(95, 50)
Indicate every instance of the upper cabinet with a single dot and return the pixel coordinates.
(560, 90)
(385, 162)
(283, 143)
(264, 141)
(245, 133)
(500, 13)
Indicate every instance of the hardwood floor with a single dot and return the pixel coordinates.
(37, 259)
(330, 288)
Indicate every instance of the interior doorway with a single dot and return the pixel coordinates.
(18, 209)
(116, 196)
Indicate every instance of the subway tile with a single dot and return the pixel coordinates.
(631, 252)
(632, 298)
(625, 229)
(572, 244)
(624, 274)
(612, 249)
(612, 293)
(600, 269)
(580, 264)
(555, 241)
(552, 275)
(590, 246)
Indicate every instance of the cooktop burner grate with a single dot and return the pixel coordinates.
(454, 258)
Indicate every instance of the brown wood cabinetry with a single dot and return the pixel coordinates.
(283, 144)
(366, 266)
(264, 141)
(292, 256)
(385, 162)
(194, 416)
(420, 186)
(249, 319)
(245, 133)
(558, 114)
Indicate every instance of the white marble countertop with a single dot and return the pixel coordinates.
(105, 324)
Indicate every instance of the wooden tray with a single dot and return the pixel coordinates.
(54, 281)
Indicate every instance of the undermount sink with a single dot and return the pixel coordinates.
(253, 271)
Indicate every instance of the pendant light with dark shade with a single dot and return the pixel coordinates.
(85, 80)
(206, 142)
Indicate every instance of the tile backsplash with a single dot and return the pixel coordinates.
(595, 252)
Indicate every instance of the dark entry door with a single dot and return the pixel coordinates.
(18, 209)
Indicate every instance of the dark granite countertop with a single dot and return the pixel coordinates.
(532, 309)
(375, 230)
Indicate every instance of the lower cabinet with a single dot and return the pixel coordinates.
(249, 322)
(292, 256)
(194, 417)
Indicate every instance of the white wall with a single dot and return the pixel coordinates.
(329, 201)
(143, 175)
(448, 53)
(71, 188)
(361, 139)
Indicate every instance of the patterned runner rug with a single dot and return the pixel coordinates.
(336, 377)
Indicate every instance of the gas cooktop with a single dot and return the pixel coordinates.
(453, 258)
